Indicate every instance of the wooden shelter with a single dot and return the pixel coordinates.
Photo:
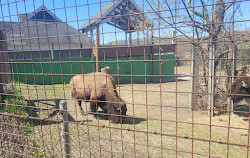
(123, 14)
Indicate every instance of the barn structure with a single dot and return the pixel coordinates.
(42, 31)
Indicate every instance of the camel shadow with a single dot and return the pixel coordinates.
(133, 120)
(242, 110)
(128, 119)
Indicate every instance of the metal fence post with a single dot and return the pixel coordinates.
(64, 129)
(211, 82)
(194, 80)
(233, 73)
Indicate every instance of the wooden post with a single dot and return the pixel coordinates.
(52, 51)
(173, 37)
(32, 112)
(97, 48)
(147, 37)
(64, 129)
(92, 37)
(126, 38)
(130, 39)
(138, 38)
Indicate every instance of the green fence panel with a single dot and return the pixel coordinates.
(119, 69)
(54, 72)
(57, 71)
(169, 65)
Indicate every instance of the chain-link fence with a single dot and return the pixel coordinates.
(124, 78)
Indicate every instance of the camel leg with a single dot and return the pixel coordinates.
(93, 107)
(94, 102)
(80, 105)
(248, 102)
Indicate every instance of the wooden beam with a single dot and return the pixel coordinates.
(132, 17)
(92, 37)
(105, 20)
(130, 39)
(117, 10)
(65, 139)
(138, 38)
(112, 24)
(97, 46)
(126, 38)
(123, 20)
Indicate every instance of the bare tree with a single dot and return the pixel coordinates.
(205, 24)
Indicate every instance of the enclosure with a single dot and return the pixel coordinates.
(155, 78)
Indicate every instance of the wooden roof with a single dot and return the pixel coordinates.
(43, 14)
(123, 14)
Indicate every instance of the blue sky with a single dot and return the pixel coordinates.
(77, 16)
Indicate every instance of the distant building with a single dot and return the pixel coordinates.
(43, 34)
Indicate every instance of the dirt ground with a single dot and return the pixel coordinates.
(159, 123)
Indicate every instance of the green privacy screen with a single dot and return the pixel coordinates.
(58, 71)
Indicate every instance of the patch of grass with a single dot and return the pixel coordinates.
(15, 104)
(17, 136)
(183, 69)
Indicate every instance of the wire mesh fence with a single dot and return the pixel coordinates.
(124, 78)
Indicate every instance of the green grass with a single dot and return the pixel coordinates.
(100, 138)
(18, 132)
(15, 103)
(183, 69)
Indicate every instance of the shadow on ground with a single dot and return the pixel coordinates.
(127, 120)
(101, 116)
(242, 110)
(50, 120)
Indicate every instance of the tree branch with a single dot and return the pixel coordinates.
(187, 10)
(170, 10)
(195, 12)
(194, 24)
(168, 22)
(229, 5)
(204, 27)
(206, 17)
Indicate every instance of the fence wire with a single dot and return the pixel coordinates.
(124, 78)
